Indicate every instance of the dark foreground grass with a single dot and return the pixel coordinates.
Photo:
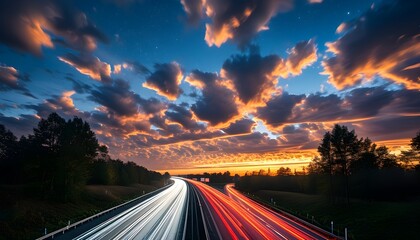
(23, 218)
(364, 220)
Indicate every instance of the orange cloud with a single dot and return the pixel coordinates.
(31, 25)
(34, 31)
(89, 65)
(218, 36)
(66, 99)
(377, 45)
(117, 69)
(302, 55)
(231, 20)
(8, 75)
(165, 80)
(315, 1)
(388, 67)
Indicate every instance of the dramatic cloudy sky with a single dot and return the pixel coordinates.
(209, 85)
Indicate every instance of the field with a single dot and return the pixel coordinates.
(364, 220)
(22, 218)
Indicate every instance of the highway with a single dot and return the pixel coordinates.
(230, 220)
(283, 226)
(161, 216)
(234, 216)
(193, 210)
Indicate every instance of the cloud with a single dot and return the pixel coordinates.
(253, 77)
(360, 103)
(182, 115)
(28, 26)
(89, 65)
(279, 109)
(21, 125)
(8, 77)
(235, 20)
(79, 86)
(315, 1)
(383, 42)
(165, 80)
(136, 67)
(388, 127)
(355, 107)
(194, 10)
(151, 105)
(117, 69)
(301, 56)
(111, 127)
(62, 104)
(295, 136)
(11, 79)
(241, 126)
(217, 104)
(117, 98)
(132, 66)
(377, 97)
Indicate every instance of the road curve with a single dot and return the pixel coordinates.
(231, 221)
(161, 216)
(282, 226)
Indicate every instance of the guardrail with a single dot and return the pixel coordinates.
(295, 218)
(74, 225)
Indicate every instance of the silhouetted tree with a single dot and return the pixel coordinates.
(284, 171)
(366, 157)
(325, 164)
(9, 165)
(385, 159)
(79, 147)
(338, 149)
(44, 168)
(61, 152)
(415, 142)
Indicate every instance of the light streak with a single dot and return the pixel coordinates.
(273, 220)
(158, 217)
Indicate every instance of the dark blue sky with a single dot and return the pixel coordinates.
(271, 74)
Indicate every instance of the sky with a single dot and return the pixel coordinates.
(190, 86)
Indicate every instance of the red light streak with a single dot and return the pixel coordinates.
(238, 217)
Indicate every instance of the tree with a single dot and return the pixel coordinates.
(284, 171)
(385, 159)
(415, 142)
(326, 163)
(79, 147)
(337, 150)
(367, 158)
(61, 154)
(8, 152)
(43, 167)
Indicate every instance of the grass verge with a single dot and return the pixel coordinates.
(23, 218)
(364, 220)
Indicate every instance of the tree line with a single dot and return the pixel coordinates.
(219, 177)
(348, 166)
(60, 158)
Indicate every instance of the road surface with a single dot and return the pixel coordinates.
(237, 217)
(283, 226)
(193, 210)
(161, 216)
